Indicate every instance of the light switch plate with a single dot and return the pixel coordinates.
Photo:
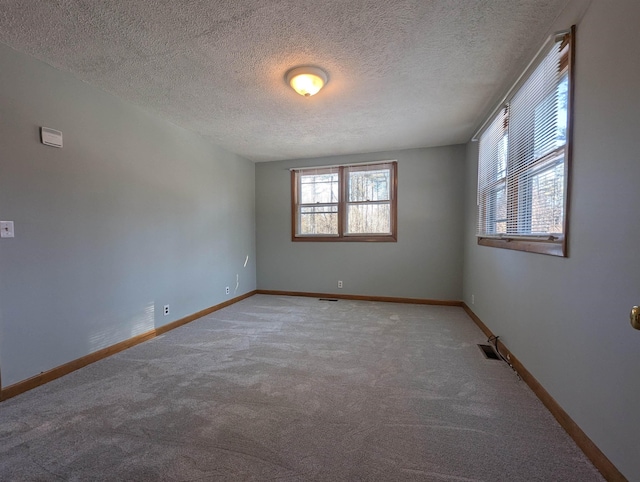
(6, 229)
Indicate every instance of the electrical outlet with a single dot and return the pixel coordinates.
(166, 310)
(6, 229)
(473, 299)
(340, 284)
(227, 290)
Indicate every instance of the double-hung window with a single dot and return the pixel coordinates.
(524, 152)
(345, 203)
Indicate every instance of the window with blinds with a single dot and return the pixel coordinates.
(345, 203)
(523, 160)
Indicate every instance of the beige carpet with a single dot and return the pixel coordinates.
(293, 389)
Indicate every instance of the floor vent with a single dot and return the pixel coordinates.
(328, 299)
(489, 352)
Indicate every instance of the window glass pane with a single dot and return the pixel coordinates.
(319, 188)
(318, 220)
(371, 185)
(562, 113)
(550, 121)
(547, 201)
(496, 216)
(369, 219)
(501, 211)
(492, 171)
(501, 166)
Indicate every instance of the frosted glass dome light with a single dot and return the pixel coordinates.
(307, 81)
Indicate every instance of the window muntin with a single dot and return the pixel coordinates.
(345, 203)
(523, 160)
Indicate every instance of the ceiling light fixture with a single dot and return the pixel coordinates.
(307, 81)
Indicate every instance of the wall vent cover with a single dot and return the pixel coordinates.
(489, 352)
(327, 299)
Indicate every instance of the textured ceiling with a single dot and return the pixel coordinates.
(402, 73)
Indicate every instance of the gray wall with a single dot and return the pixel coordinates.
(568, 319)
(426, 261)
(133, 213)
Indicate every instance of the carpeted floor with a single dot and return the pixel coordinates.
(293, 389)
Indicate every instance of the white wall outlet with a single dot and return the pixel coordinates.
(166, 310)
(473, 299)
(6, 229)
(340, 284)
(227, 290)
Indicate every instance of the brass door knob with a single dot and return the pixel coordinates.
(635, 317)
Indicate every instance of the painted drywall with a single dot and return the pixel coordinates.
(426, 260)
(131, 214)
(567, 319)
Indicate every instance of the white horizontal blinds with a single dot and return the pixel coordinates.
(521, 168)
(537, 136)
(492, 171)
(318, 195)
(368, 199)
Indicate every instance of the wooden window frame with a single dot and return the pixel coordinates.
(343, 202)
(550, 245)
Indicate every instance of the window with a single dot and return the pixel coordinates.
(345, 203)
(523, 163)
